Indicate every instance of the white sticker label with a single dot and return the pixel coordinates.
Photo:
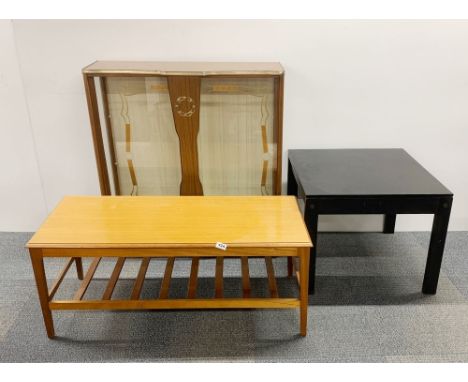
(221, 246)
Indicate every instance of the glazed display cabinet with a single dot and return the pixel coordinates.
(183, 128)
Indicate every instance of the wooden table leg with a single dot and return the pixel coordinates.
(304, 255)
(41, 283)
(79, 267)
(290, 266)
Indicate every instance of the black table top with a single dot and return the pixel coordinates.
(362, 172)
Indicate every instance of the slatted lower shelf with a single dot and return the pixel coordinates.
(161, 300)
(179, 303)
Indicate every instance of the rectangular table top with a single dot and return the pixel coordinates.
(173, 221)
(363, 172)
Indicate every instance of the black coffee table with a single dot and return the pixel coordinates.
(370, 181)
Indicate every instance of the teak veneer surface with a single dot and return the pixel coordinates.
(173, 221)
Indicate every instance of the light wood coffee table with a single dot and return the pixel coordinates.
(171, 227)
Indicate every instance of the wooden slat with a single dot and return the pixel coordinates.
(219, 277)
(87, 279)
(60, 278)
(210, 303)
(140, 279)
(114, 278)
(245, 277)
(167, 278)
(192, 285)
(271, 277)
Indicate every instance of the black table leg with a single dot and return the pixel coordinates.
(311, 220)
(389, 223)
(292, 183)
(436, 246)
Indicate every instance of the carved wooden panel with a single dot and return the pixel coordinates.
(185, 102)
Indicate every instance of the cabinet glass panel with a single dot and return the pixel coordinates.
(236, 143)
(186, 128)
(145, 142)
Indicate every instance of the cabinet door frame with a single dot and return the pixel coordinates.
(96, 130)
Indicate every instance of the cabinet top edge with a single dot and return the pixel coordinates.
(183, 68)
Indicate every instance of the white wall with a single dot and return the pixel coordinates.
(348, 84)
(22, 203)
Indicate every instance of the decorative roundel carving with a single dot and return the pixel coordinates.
(185, 106)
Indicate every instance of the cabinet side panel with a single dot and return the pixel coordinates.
(107, 136)
(278, 131)
(91, 97)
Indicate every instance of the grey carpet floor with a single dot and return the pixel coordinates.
(367, 308)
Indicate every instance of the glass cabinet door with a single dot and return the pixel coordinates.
(186, 128)
(191, 135)
(143, 141)
(236, 142)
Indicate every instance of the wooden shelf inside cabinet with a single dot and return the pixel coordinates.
(182, 118)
